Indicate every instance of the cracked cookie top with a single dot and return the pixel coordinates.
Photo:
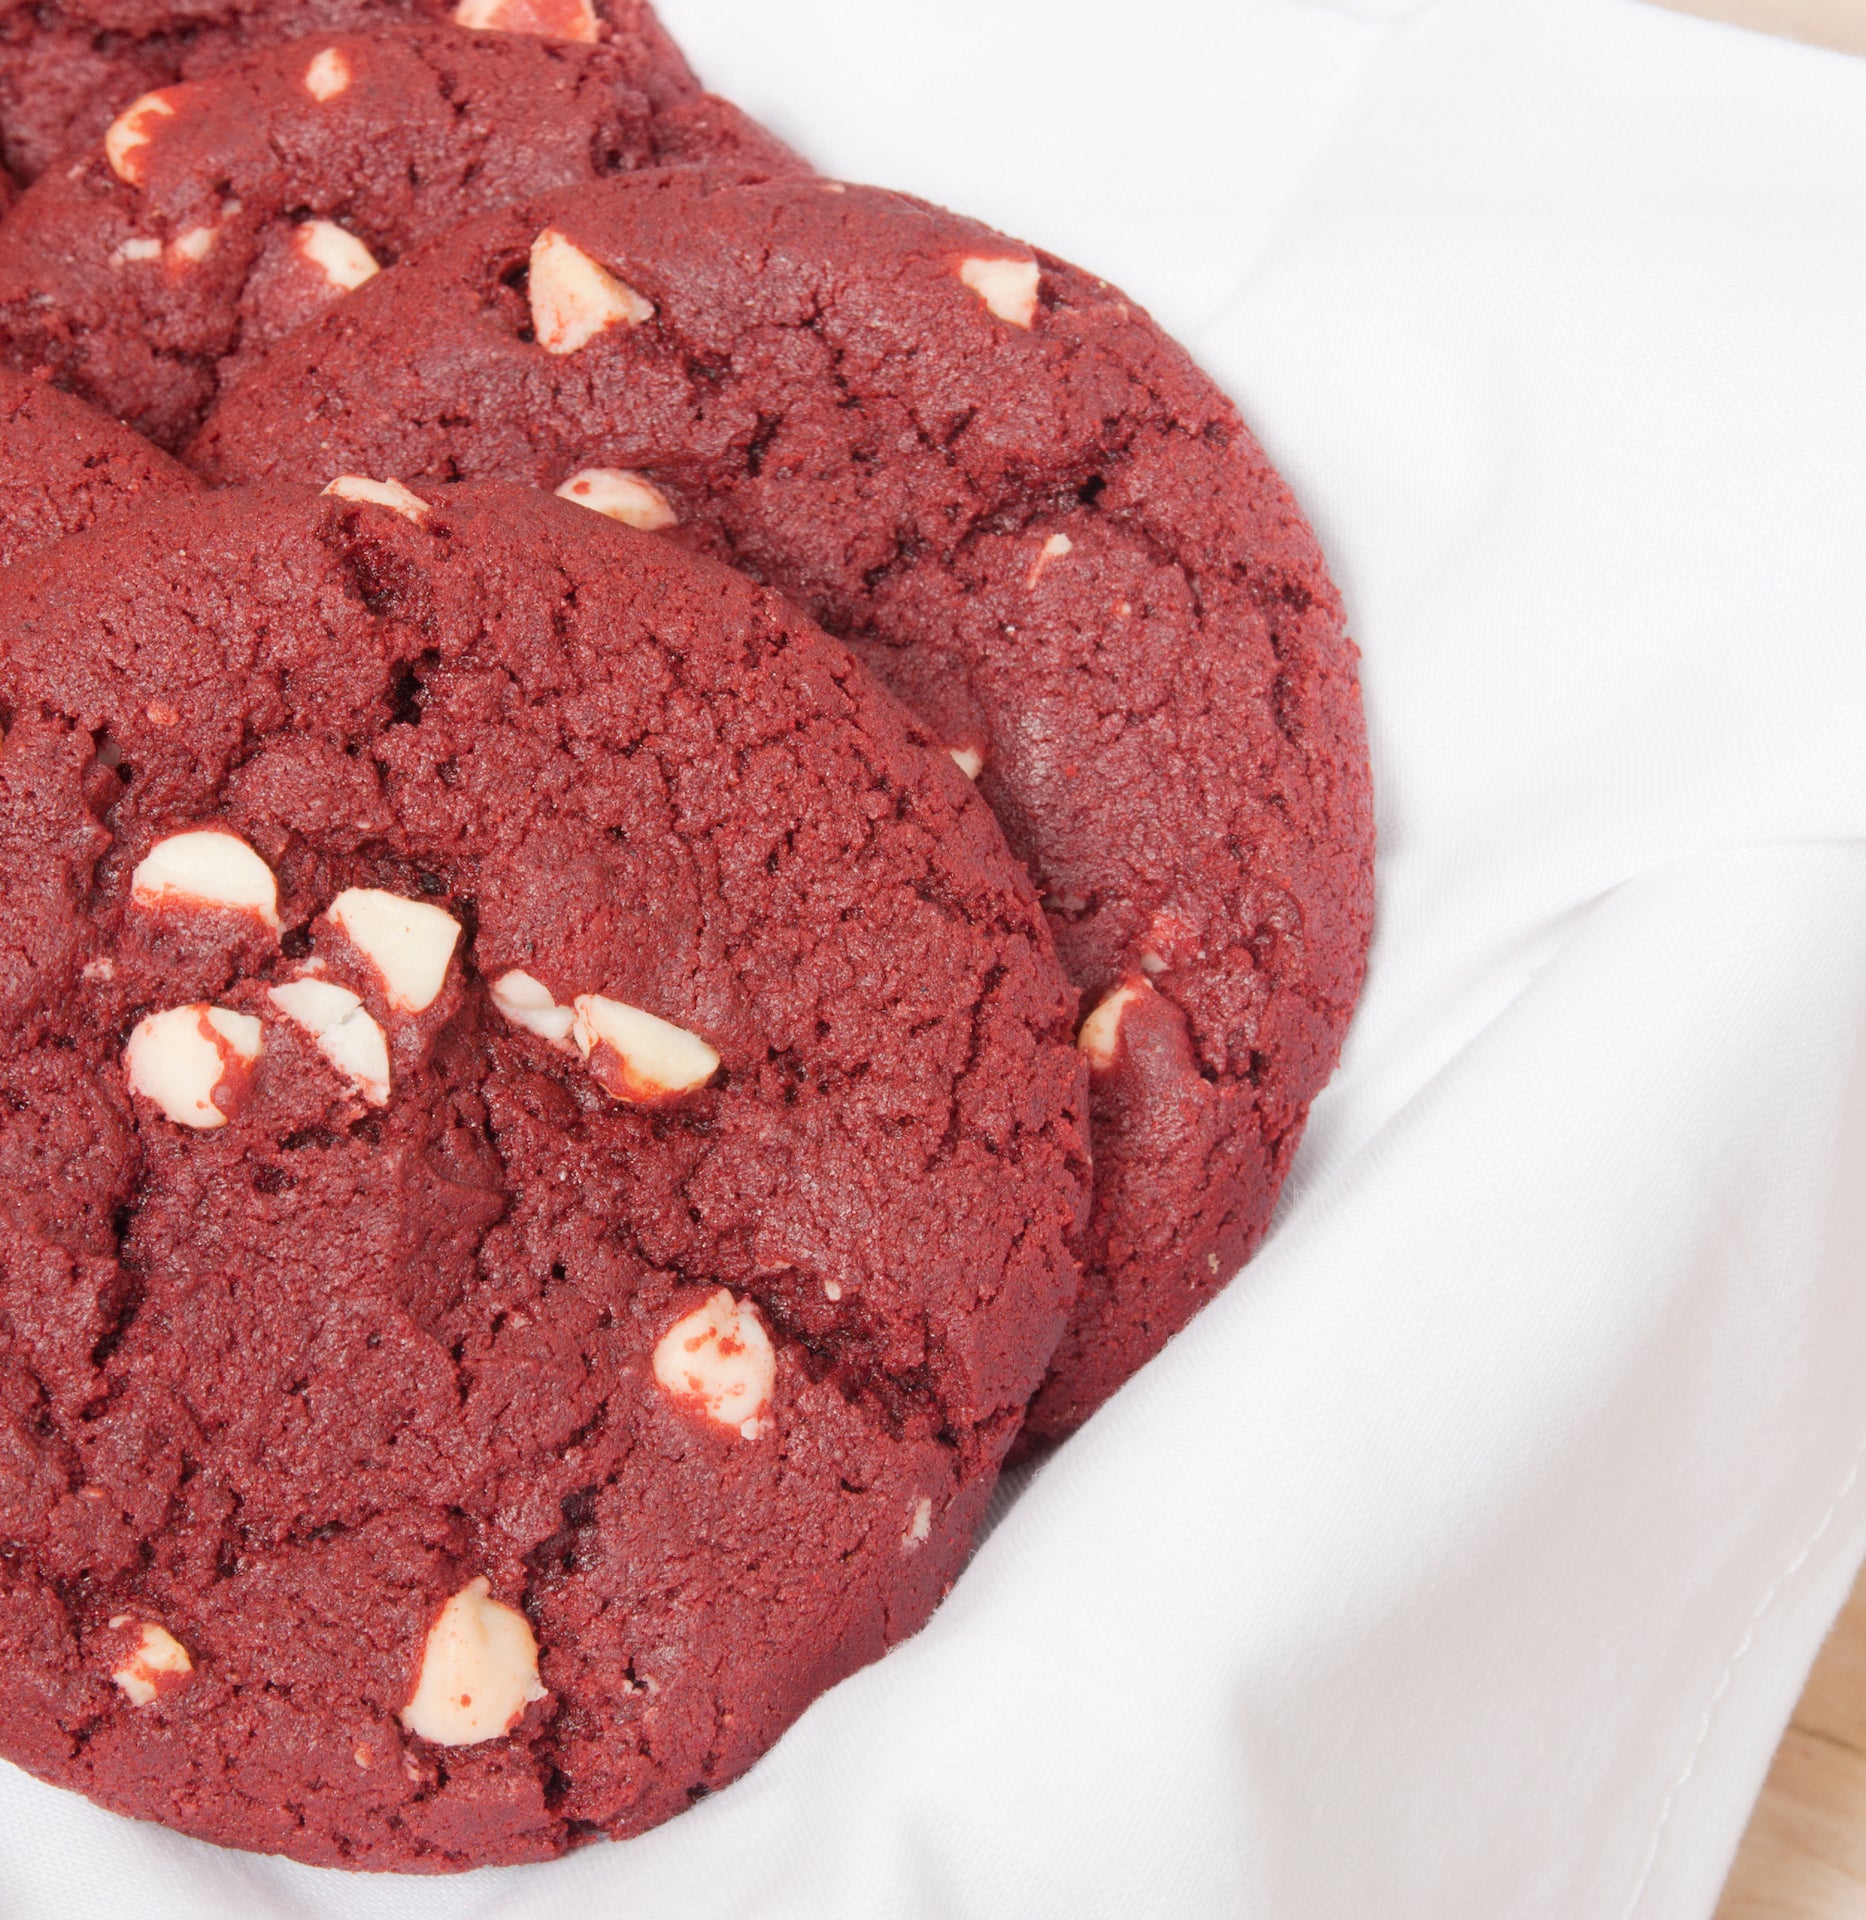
(217, 214)
(1034, 518)
(541, 1136)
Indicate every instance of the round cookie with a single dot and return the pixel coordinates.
(220, 213)
(1036, 521)
(64, 467)
(542, 1141)
(68, 67)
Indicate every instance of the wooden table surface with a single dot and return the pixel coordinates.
(1804, 1856)
(1828, 23)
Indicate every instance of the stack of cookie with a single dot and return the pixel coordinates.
(679, 847)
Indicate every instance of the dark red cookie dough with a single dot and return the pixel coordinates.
(1048, 532)
(64, 467)
(68, 67)
(274, 1393)
(218, 214)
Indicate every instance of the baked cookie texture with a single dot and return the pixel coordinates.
(65, 467)
(542, 1141)
(1034, 518)
(217, 214)
(68, 67)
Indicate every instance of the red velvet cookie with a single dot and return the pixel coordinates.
(68, 67)
(541, 1142)
(1037, 522)
(220, 213)
(65, 467)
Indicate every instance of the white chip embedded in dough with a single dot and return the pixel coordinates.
(719, 1358)
(178, 1058)
(573, 299)
(206, 867)
(479, 1671)
(620, 495)
(408, 942)
(919, 1525)
(545, 19)
(527, 1002)
(343, 260)
(156, 1662)
(130, 133)
(639, 1056)
(194, 245)
(327, 75)
(380, 493)
(1007, 287)
(1053, 548)
(347, 1035)
(1101, 1032)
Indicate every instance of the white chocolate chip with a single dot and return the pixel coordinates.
(547, 19)
(380, 493)
(573, 299)
(131, 131)
(1054, 548)
(968, 760)
(1167, 937)
(638, 1056)
(132, 251)
(179, 1058)
(1007, 287)
(156, 1663)
(832, 1289)
(527, 1003)
(206, 867)
(328, 75)
(621, 495)
(479, 1671)
(408, 942)
(346, 1034)
(919, 1525)
(340, 257)
(193, 246)
(720, 1358)
(1101, 1031)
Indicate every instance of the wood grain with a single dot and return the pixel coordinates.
(1827, 23)
(1804, 1856)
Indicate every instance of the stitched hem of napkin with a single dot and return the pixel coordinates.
(1744, 1643)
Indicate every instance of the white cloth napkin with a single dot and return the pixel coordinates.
(1466, 1557)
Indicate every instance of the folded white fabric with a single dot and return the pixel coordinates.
(1466, 1557)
